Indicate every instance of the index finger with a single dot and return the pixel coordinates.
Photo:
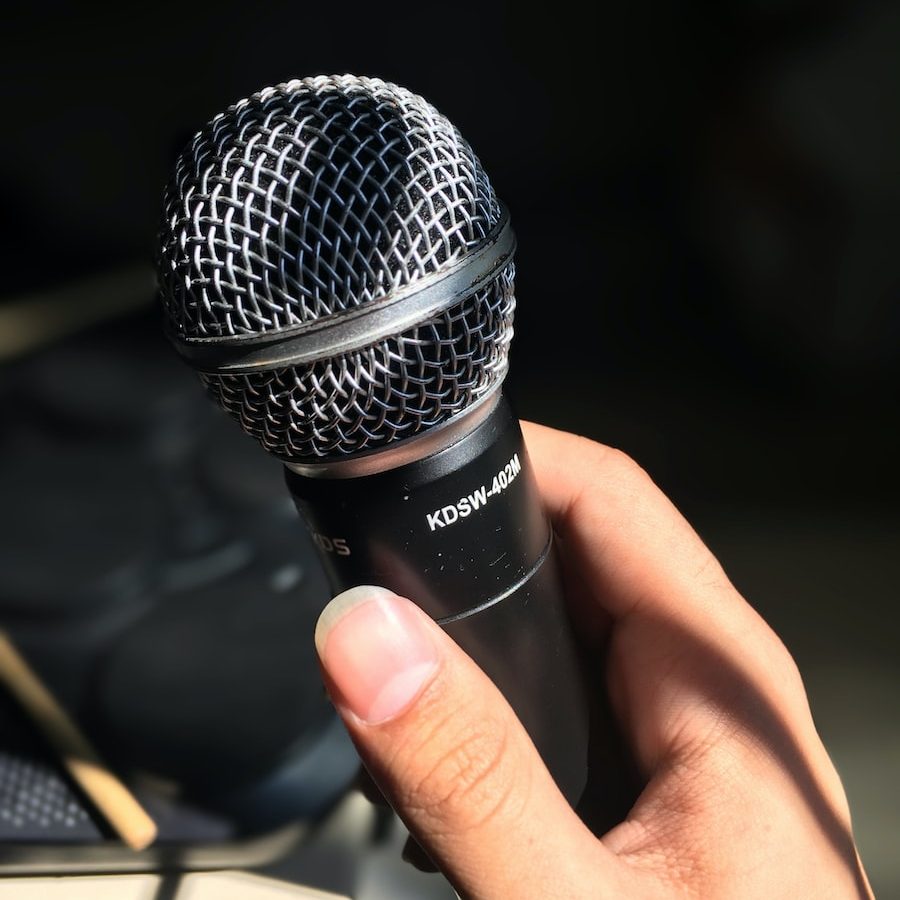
(630, 544)
(683, 637)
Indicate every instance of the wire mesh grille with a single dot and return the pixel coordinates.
(396, 388)
(313, 198)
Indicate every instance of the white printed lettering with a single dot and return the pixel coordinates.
(479, 498)
(465, 506)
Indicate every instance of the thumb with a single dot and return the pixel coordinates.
(450, 755)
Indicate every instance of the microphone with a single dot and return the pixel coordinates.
(336, 266)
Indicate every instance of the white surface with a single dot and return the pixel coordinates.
(196, 886)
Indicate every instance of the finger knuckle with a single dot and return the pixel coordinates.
(708, 571)
(467, 781)
(625, 466)
(605, 457)
(616, 476)
(782, 666)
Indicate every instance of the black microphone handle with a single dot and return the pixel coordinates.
(463, 534)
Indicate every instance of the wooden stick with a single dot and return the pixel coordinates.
(118, 805)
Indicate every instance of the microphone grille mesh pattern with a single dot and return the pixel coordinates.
(305, 202)
(393, 389)
(311, 198)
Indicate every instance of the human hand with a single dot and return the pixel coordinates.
(741, 799)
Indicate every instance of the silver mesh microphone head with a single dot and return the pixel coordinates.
(334, 262)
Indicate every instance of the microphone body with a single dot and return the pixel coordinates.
(461, 531)
(336, 265)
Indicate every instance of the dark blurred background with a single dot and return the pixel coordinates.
(707, 201)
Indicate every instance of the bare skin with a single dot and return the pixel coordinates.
(741, 798)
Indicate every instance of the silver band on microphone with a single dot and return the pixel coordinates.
(348, 330)
(410, 450)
